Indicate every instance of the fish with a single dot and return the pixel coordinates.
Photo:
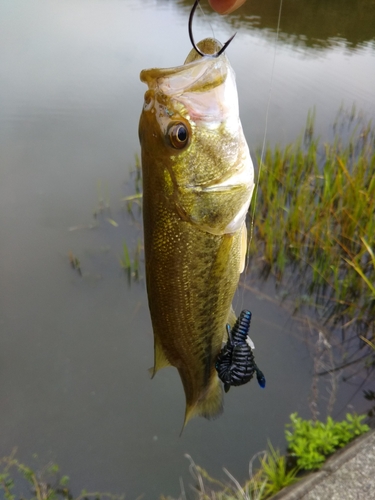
(198, 180)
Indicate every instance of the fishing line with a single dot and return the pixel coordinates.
(206, 19)
(255, 194)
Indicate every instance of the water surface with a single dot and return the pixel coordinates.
(74, 386)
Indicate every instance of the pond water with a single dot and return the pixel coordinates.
(75, 350)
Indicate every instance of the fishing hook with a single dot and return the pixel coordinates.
(192, 38)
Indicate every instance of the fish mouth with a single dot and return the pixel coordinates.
(205, 86)
(208, 45)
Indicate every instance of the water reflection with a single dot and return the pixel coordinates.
(314, 24)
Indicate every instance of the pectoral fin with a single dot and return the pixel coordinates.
(243, 248)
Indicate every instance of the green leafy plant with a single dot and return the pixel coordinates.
(312, 442)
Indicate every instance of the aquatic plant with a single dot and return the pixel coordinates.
(16, 478)
(311, 442)
(103, 198)
(314, 225)
(135, 198)
(131, 266)
(75, 262)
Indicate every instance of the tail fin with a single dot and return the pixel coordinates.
(209, 405)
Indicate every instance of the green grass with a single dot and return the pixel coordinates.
(20, 482)
(206, 487)
(314, 225)
(271, 476)
(275, 472)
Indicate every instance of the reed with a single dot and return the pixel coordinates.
(314, 226)
(132, 265)
(45, 484)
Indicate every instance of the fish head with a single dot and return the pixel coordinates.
(192, 136)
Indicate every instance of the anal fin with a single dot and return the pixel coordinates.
(209, 406)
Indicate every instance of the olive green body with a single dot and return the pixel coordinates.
(193, 256)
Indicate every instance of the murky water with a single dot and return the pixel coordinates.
(74, 354)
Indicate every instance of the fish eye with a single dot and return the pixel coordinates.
(178, 135)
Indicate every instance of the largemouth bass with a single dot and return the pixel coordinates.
(197, 184)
